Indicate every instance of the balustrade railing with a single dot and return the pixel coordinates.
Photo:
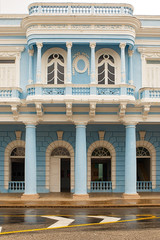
(144, 186)
(10, 92)
(151, 93)
(16, 186)
(115, 90)
(81, 9)
(101, 186)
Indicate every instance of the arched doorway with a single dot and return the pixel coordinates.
(17, 172)
(143, 169)
(101, 170)
(60, 170)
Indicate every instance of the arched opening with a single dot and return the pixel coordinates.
(17, 172)
(101, 170)
(60, 170)
(143, 169)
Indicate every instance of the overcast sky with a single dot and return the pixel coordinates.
(141, 7)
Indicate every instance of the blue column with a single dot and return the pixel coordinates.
(93, 65)
(31, 52)
(130, 161)
(123, 69)
(69, 62)
(30, 161)
(81, 161)
(130, 53)
(38, 75)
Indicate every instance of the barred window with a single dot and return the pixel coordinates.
(106, 69)
(55, 69)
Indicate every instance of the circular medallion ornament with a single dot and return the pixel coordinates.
(80, 64)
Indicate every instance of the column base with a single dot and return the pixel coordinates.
(29, 196)
(131, 196)
(80, 196)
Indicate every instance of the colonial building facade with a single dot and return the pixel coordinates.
(79, 100)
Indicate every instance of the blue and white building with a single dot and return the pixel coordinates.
(79, 100)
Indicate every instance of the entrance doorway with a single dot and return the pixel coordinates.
(65, 174)
(60, 170)
(143, 164)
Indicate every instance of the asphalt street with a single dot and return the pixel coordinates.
(82, 223)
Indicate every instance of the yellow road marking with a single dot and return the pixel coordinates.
(79, 225)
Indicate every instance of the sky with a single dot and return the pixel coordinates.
(141, 7)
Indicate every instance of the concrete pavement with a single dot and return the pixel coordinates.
(66, 200)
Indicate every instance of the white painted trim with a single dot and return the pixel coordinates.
(7, 162)
(117, 63)
(45, 59)
(51, 147)
(152, 152)
(112, 151)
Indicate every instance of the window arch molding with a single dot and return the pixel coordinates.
(112, 151)
(117, 63)
(45, 61)
(7, 162)
(51, 147)
(152, 152)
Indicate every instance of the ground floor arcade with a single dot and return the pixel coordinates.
(79, 159)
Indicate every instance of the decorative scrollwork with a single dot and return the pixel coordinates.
(101, 152)
(108, 91)
(53, 91)
(60, 151)
(19, 151)
(141, 152)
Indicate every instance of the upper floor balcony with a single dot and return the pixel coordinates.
(80, 9)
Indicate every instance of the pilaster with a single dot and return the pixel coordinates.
(30, 52)
(93, 65)
(69, 62)
(38, 75)
(123, 69)
(130, 54)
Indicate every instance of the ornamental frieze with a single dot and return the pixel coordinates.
(99, 27)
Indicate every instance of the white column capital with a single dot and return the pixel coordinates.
(92, 44)
(31, 52)
(39, 45)
(31, 123)
(122, 45)
(130, 123)
(69, 44)
(130, 52)
(77, 123)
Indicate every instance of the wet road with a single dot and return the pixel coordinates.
(107, 223)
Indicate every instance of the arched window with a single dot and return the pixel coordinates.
(17, 164)
(143, 164)
(108, 70)
(55, 69)
(54, 66)
(101, 165)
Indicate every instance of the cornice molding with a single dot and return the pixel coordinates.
(11, 49)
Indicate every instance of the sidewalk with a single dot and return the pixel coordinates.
(95, 200)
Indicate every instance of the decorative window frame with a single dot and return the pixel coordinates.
(51, 147)
(44, 62)
(148, 53)
(112, 151)
(117, 63)
(7, 161)
(9, 53)
(152, 152)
